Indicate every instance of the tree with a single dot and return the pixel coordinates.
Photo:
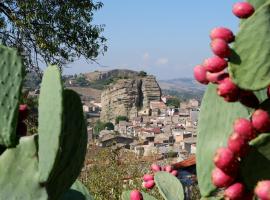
(175, 102)
(120, 118)
(51, 31)
(109, 126)
(99, 126)
(142, 74)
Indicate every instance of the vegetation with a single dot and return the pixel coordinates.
(120, 118)
(99, 126)
(51, 31)
(173, 102)
(184, 96)
(109, 171)
(142, 74)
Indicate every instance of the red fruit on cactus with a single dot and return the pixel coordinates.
(228, 90)
(220, 48)
(214, 77)
(155, 167)
(148, 177)
(249, 99)
(136, 195)
(235, 192)
(261, 121)
(215, 64)
(225, 160)
(149, 184)
(174, 172)
(262, 190)
(238, 145)
(243, 10)
(220, 179)
(168, 168)
(199, 73)
(244, 128)
(23, 112)
(222, 33)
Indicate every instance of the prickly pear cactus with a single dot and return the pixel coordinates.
(46, 165)
(11, 77)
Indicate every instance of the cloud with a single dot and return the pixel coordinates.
(162, 61)
(146, 56)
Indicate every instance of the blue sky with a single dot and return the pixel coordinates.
(164, 38)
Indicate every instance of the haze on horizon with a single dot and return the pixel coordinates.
(166, 39)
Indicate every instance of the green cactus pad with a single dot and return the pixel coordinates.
(255, 166)
(169, 186)
(126, 196)
(11, 77)
(77, 192)
(215, 125)
(50, 120)
(19, 172)
(250, 63)
(257, 3)
(72, 148)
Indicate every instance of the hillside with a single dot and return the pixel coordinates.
(182, 87)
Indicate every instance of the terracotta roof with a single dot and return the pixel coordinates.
(185, 163)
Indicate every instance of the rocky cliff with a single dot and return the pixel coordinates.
(127, 97)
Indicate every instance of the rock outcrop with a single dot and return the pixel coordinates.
(127, 97)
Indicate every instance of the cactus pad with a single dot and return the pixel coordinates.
(77, 192)
(19, 172)
(215, 125)
(11, 77)
(49, 120)
(72, 148)
(250, 62)
(169, 186)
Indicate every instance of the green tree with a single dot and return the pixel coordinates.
(142, 73)
(99, 126)
(109, 126)
(120, 118)
(56, 32)
(175, 102)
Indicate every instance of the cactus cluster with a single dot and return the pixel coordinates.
(238, 160)
(45, 165)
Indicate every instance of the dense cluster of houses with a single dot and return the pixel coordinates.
(164, 131)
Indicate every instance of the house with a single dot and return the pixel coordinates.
(190, 145)
(157, 108)
(118, 139)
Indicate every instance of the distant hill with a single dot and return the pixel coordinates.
(184, 88)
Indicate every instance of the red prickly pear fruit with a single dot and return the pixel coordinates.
(238, 145)
(148, 177)
(23, 112)
(262, 190)
(222, 33)
(136, 195)
(21, 129)
(244, 128)
(243, 10)
(235, 192)
(199, 73)
(225, 160)
(214, 77)
(220, 179)
(260, 121)
(155, 167)
(174, 172)
(220, 48)
(149, 184)
(228, 90)
(215, 64)
(168, 168)
(249, 99)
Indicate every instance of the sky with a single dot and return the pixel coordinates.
(164, 38)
